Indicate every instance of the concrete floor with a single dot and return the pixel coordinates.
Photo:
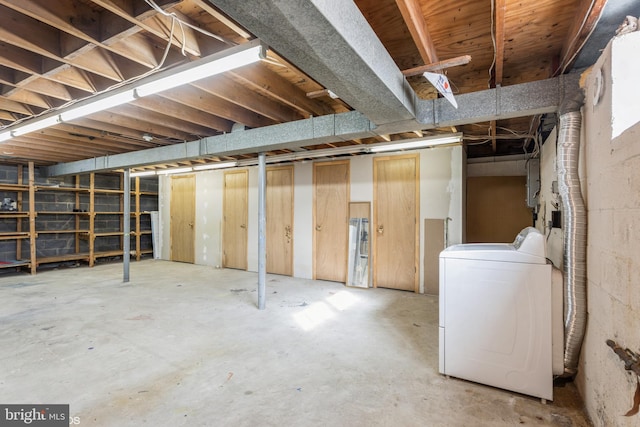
(185, 345)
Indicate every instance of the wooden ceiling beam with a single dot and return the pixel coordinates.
(229, 90)
(36, 155)
(20, 30)
(140, 125)
(437, 66)
(61, 135)
(16, 107)
(72, 77)
(269, 83)
(45, 87)
(20, 59)
(195, 98)
(30, 98)
(115, 130)
(184, 36)
(414, 18)
(148, 22)
(240, 31)
(163, 119)
(77, 131)
(585, 19)
(40, 144)
(185, 112)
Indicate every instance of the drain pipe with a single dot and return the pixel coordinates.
(575, 233)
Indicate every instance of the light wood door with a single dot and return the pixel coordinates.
(331, 222)
(279, 199)
(183, 217)
(395, 222)
(235, 211)
(496, 208)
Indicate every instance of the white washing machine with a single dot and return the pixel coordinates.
(496, 325)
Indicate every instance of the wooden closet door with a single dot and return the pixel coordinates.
(235, 212)
(395, 222)
(279, 199)
(183, 217)
(331, 222)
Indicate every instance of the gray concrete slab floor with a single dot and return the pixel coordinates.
(185, 345)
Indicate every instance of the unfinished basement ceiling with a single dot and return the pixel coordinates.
(56, 53)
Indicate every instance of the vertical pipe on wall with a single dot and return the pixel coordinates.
(574, 227)
(126, 224)
(262, 225)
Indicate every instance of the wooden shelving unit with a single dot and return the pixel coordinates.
(82, 223)
(20, 216)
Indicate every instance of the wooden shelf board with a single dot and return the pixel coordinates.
(14, 263)
(107, 191)
(13, 214)
(108, 233)
(109, 213)
(13, 187)
(47, 188)
(103, 254)
(61, 213)
(60, 231)
(14, 235)
(66, 257)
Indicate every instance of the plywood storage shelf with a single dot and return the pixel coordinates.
(16, 235)
(14, 214)
(82, 220)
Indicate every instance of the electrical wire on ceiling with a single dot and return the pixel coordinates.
(495, 48)
(182, 23)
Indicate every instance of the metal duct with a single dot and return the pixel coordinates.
(575, 233)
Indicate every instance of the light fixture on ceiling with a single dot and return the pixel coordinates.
(448, 139)
(142, 173)
(101, 104)
(221, 165)
(36, 125)
(217, 63)
(174, 171)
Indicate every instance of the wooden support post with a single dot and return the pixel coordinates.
(32, 219)
(92, 217)
(138, 248)
(19, 220)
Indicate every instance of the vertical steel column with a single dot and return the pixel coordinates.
(126, 224)
(262, 225)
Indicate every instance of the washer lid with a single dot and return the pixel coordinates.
(528, 247)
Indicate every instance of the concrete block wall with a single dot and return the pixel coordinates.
(612, 155)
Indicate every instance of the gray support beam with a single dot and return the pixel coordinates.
(126, 224)
(525, 99)
(262, 230)
(335, 45)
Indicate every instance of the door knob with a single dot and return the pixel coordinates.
(380, 229)
(287, 233)
(318, 227)
(243, 226)
(191, 224)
